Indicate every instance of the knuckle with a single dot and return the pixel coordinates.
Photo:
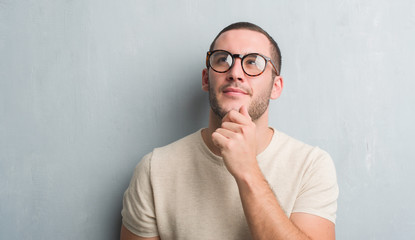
(229, 145)
(244, 129)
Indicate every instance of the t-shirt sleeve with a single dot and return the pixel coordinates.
(319, 190)
(138, 213)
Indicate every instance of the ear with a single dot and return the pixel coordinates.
(205, 80)
(277, 87)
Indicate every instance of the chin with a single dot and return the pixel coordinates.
(233, 104)
(232, 107)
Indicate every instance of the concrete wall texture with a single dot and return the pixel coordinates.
(88, 87)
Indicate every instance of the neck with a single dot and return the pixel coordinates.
(263, 132)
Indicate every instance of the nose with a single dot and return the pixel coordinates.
(236, 73)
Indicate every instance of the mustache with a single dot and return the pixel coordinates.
(236, 85)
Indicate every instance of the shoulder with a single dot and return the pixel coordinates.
(313, 174)
(164, 159)
(296, 148)
(299, 157)
(179, 147)
(175, 153)
(313, 162)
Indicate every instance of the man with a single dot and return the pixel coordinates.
(238, 178)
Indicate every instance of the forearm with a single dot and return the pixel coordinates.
(265, 217)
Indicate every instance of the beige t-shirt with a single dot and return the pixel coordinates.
(184, 191)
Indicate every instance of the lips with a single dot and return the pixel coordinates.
(232, 90)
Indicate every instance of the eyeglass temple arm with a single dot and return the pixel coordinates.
(275, 68)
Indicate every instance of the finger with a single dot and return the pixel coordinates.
(237, 117)
(226, 133)
(231, 126)
(219, 140)
(244, 111)
(226, 118)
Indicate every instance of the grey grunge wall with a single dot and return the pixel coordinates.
(89, 87)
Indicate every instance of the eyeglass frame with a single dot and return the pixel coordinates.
(267, 59)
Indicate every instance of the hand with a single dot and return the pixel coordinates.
(236, 140)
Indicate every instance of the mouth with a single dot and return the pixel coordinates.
(234, 91)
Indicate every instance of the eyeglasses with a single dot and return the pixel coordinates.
(253, 64)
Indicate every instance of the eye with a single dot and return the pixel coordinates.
(252, 59)
(251, 62)
(220, 58)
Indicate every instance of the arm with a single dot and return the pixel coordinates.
(127, 235)
(138, 205)
(236, 140)
(267, 220)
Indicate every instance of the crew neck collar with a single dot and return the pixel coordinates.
(218, 159)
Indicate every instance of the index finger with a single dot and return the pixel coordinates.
(244, 111)
(236, 117)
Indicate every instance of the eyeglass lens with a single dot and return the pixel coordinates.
(252, 64)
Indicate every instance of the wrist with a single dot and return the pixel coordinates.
(251, 178)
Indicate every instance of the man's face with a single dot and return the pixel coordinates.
(233, 89)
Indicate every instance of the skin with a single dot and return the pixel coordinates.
(127, 235)
(238, 139)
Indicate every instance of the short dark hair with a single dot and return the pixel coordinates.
(275, 50)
